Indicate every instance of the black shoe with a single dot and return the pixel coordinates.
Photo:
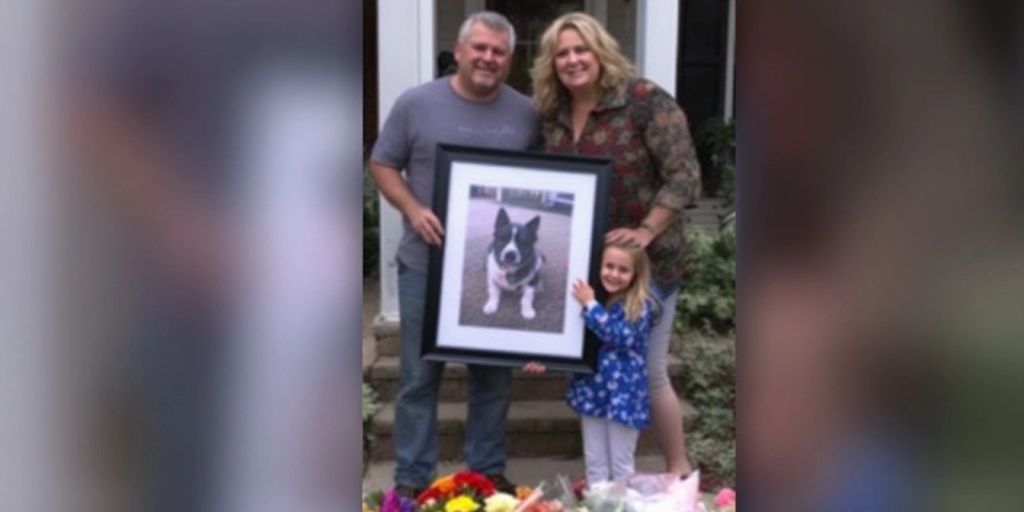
(693, 467)
(502, 484)
(408, 491)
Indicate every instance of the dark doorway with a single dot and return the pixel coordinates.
(370, 96)
(700, 83)
(530, 18)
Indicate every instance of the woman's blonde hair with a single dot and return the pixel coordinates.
(639, 290)
(548, 92)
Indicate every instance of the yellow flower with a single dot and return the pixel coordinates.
(461, 504)
(500, 502)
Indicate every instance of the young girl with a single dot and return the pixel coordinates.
(613, 402)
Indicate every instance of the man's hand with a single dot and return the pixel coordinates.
(534, 367)
(394, 188)
(640, 237)
(582, 292)
(426, 224)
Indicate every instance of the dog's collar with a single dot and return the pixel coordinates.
(525, 271)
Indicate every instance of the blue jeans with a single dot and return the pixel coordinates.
(415, 431)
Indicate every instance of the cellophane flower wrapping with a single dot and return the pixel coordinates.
(558, 497)
(645, 492)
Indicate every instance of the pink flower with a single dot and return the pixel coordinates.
(725, 498)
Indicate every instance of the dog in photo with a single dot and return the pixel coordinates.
(513, 263)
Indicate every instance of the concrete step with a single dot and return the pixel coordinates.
(539, 428)
(387, 338)
(384, 372)
(529, 471)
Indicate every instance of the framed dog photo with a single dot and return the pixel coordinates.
(520, 227)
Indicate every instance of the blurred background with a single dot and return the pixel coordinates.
(879, 250)
(180, 243)
(182, 239)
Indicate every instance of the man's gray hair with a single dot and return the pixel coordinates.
(493, 21)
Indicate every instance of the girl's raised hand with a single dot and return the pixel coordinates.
(582, 292)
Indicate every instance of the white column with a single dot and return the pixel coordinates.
(405, 45)
(657, 41)
(730, 63)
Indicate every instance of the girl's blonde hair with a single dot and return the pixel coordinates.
(639, 290)
(548, 92)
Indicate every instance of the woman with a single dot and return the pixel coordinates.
(592, 103)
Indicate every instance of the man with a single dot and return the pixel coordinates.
(471, 107)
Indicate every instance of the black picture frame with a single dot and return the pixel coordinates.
(566, 197)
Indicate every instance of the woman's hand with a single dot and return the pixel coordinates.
(640, 237)
(582, 292)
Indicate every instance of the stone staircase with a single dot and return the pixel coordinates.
(706, 215)
(540, 424)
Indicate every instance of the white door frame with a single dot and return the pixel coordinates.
(730, 63)
(405, 46)
(657, 42)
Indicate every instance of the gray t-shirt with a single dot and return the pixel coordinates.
(433, 113)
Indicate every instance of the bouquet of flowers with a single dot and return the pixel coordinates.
(467, 491)
(724, 501)
(464, 491)
(390, 501)
(557, 499)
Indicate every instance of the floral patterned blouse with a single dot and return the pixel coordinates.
(643, 130)
(618, 390)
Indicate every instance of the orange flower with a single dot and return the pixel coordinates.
(445, 486)
(523, 492)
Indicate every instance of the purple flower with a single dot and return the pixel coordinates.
(394, 502)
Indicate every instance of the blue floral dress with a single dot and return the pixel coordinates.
(618, 390)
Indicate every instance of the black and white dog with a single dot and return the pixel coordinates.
(513, 263)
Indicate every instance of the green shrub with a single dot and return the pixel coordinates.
(706, 314)
(717, 140)
(709, 383)
(727, 190)
(707, 301)
(371, 226)
(370, 408)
